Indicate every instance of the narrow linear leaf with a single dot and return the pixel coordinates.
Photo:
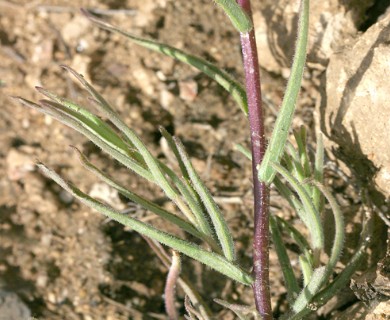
(339, 227)
(245, 151)
(296, 165)
(210, 259)
(221, 77)
(344, 277)
(300, 138)
(172, 146)
(185, 191)
(301, 303)
(318, 173)
(299, 239)
(93, 125)
(103, 127)
(283, 122)
(236, 14)
(148, 205)
(307, 270)
(287, 194)
(307, 294)
(203, 223)
(311, 214)
(100, 125)
(82, 128)
(155, 167)
(284, 261)
(220, 225)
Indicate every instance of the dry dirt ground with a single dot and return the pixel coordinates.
(65, 261)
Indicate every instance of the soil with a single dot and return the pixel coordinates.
(65, 261)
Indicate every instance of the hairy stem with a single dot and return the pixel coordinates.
(170, 286)
(260, 190)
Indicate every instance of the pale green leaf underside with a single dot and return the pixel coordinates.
(283, 122)
(221, 227)
(236, 14)
(210, 259)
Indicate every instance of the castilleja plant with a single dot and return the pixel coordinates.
(298, 179)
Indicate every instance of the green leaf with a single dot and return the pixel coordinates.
(344, 277)
(236, 14)
(157, 169)
(62, 114)
(103, 130)
(312, 217)
(245, 151)
(284, 260)
(317, 281)
(283, 122)
(299, 239)
(196, 209)
(287, 194)
(318, 173)
(307, 270)
(307, 293)
(221, 77)
(300, 138)
(195, 252)
(148, 205)
(220, 225)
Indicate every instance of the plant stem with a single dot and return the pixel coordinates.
(170, 286)
(260, 190)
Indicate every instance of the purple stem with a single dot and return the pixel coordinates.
(260, 190)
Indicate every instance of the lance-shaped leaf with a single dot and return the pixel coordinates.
(220, 76)
(286, 193)
(148, 205)
(284, 260)
(104, 129)
(318, 173)
(283, 122)
(300, 138)
(299, 239)
(245, 151)
(307, 293)
(316, 282)
(61, 114)
(311, 214)
(220, 225)
(157, 169)
(236, 14)
(192, 250)
(196, 208)
(343, 278)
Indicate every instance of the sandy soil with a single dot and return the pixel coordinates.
(65, 261)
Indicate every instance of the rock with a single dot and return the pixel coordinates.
(12, 308)
(330, 23)
(355, 109)
(188, 90)
(109, 195)
(75, 29)
(19, 163)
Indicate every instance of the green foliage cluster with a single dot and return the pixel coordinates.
(295, 173)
